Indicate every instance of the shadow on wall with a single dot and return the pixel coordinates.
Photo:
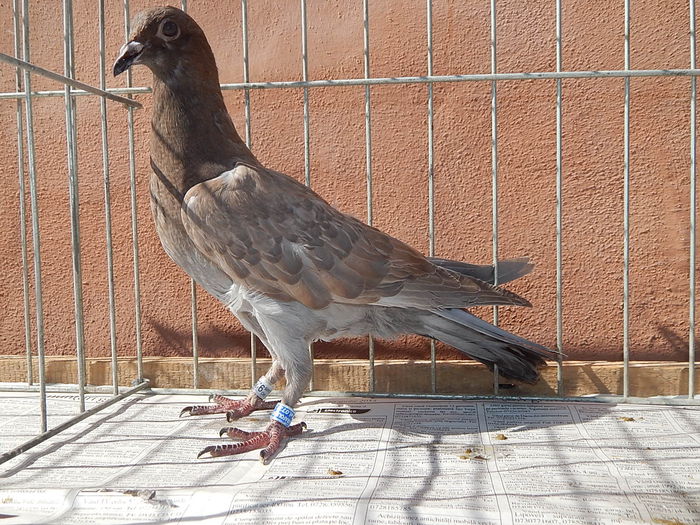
(213, 341)
(677, 344)
(217, 341)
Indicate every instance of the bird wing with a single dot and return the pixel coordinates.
(279, 238)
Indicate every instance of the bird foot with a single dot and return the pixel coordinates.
(234, 409)
(269, 440)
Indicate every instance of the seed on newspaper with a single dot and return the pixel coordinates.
(334, 472)
(625, 418)
(501, 437)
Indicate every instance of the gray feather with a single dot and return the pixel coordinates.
(516, 357)
(508, 269)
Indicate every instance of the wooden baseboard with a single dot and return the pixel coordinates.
(647, 378)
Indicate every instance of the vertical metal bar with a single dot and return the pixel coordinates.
(431, 177)
(368, 158)
(494, 154)
(134, 215)
(559, 209)
(693, 206)
(36, 242)
(307, 152)
(71, 141)
(22, 197)
(108, 205)
(626, 213)
(246, 71)
(195, 335)
(305, 78)
(193, 303)
(494, 168)
(248, 141)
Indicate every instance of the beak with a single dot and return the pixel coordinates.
(128, 55)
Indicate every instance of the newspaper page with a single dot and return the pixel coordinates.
(374, 461)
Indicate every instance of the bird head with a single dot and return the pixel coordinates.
(166, 40)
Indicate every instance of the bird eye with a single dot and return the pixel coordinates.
(169, 29)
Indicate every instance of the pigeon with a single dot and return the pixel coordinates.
(288, 265)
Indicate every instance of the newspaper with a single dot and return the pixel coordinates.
(374, 461)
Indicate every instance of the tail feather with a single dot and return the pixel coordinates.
(516, 357)
(508, 269)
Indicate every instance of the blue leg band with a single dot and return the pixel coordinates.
(282, 414)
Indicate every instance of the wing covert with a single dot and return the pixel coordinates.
(279, 238)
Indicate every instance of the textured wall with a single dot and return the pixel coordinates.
(592, 159)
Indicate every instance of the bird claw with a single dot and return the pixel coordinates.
(207, 450)
(200, 410)
(269, 440)
(236, 433)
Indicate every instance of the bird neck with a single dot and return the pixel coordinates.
(192, 136)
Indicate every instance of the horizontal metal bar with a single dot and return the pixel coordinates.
(69, 423)
(593, 398)
(479, 77)
(65, 80)
(59, 388)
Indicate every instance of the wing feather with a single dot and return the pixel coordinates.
(279, 238)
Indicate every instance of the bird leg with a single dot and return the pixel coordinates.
(235, 409)
(280, 427)
(269, 440)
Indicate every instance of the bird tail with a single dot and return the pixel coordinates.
(508, 269)
(516, 357)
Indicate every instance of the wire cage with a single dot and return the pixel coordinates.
(25, 97)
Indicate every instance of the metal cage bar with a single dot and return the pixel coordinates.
(80, 87)
(307, 145)
(494, 170)
(559, 205)
(376, 81)
(693, 205)
(107, 205)
(431, 174)
(305, 78)
(195, 334)
(36, 236)
(368, 160)
(17, 44)
(73, 199)
(193, 305)
(248, 141)
(134, 214)
(626, 217)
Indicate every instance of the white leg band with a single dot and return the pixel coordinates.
(262, 388)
